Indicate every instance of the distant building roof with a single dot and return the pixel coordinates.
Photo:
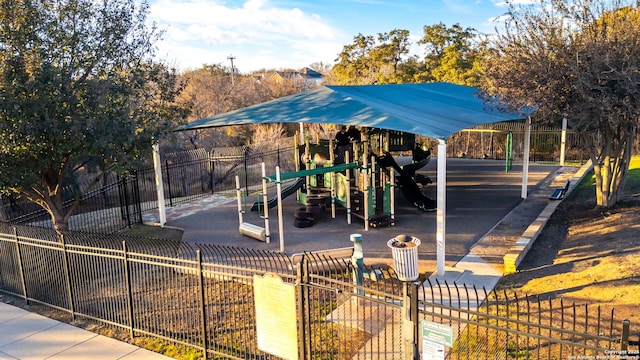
(305, 74)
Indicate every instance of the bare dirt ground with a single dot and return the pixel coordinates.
(587, 255)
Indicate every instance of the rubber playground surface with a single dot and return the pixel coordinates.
(480, 193)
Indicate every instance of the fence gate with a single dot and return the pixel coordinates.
(342, 320)
(129, 200)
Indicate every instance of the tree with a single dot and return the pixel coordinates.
(391, 53)
(378, 60)
(451, 54)
(266, 133)
(576, 59)
(211, 92)
(353, 65)
(80, 95)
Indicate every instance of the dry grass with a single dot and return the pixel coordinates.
(588, 255)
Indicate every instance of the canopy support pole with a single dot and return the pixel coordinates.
(563, 140)
(157, 167)
(280, 224)
(525, 158)
(441, 190)
(265, 204)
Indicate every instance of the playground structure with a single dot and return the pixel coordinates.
(408, 179)
(364, 185)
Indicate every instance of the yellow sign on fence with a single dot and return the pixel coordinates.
(276, 322)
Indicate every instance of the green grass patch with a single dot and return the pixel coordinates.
(633, 177)
(632, 185)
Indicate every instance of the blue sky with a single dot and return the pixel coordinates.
(276, 34)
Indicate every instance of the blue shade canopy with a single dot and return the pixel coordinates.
(435, 110)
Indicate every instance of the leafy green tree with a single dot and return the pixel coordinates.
(370, 60)
(451, 54)
(81, 95)
(576, 59)
(390, 54)
(353, 64)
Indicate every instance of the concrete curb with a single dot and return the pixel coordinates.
(519, 250)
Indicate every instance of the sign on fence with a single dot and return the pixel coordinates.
(437, 333)
(435, 337)
(276, 322)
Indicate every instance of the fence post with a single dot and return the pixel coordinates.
(23, 282)
(246, 170)
(624, 337)
(203, 305)
(410, 320)
(67, 275)
(301, 279)
(137, 201)
(166, 166)
(127, 280)
(126, 201)
(211, 174)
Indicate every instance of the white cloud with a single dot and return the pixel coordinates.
(199, 31)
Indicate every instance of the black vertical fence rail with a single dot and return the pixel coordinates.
(491, 142)
(120, 202)
(496, 325)
(201, 297)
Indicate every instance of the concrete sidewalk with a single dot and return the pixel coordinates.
(29, 336)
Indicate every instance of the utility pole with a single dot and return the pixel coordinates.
(233, 70)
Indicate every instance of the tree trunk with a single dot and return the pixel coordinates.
(610, 168)
(55, 208)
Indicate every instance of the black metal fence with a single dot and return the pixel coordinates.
(491, 142)
(119, 202)
(203, 297)
(114, 205)
(502, 326)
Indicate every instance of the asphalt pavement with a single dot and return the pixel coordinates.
(480, 193)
